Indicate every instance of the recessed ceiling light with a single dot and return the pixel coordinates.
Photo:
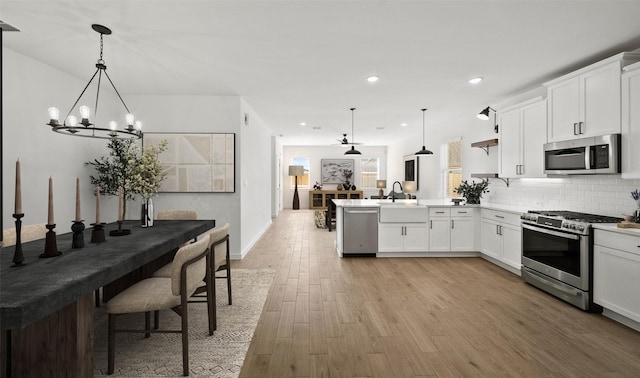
(403, 124)
(380, 128)
(303, 124)
(475, 80)
(372, 79)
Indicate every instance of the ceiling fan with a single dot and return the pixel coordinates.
(345, 142)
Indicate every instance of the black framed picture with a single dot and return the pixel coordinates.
(333, 170)
(411, 168)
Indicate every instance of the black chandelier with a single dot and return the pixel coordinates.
(84, 128)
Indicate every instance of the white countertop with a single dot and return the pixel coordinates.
(423, 203)
(613, 228)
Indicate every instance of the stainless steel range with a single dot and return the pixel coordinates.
(557, 254)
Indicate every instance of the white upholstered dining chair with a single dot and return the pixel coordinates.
(190, 268)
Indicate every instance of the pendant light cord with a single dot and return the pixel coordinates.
(423, 110)
(353, 137)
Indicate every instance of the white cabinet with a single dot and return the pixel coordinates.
(587, 102)
(501, 237)
(616, 273)
(399, 237)
(403, 229)
(631, 121)
(523, 132)
(451, 229)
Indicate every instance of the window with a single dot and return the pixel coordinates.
(303, 181)
(369, 172)
(452, 167)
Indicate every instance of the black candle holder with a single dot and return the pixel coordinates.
(77, 240)
(50, 245)
(119, 231)
(18, 257)
(97, 234)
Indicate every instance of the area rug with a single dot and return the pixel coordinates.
(220, 355)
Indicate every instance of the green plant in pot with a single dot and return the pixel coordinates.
(472, 192)
(136, 170)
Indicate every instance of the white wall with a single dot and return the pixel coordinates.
(316, 154)
(29, 89)
(277, 151)
(256, 177)
(217, 114)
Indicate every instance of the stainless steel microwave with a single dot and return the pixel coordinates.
(584, 156)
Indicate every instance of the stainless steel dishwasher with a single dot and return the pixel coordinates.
(360, 231)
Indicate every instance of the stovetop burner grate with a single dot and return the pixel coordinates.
(577, 216)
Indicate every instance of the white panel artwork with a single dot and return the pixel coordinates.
(196, 162)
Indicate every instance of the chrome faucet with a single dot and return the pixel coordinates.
(393, 190)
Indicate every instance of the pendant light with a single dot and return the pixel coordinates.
(423, 151)
(353, 150)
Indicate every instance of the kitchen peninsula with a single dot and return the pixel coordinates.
(435, 228)
(411, 228)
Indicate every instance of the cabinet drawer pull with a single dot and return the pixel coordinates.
(452, 224)
(430, 224)
(575, 129)
(439, 212)
(580, 128)
(498, 216)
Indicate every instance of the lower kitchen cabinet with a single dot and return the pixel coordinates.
(616, 273)
(501, 237)
(451, 229)
(402, 237)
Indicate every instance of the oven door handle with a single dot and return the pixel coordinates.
(541, 278)
(551, 232)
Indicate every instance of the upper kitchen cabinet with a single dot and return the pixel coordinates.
(523, 132)
(631, 121)
(586, 102)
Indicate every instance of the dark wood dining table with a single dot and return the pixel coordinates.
(47, 305)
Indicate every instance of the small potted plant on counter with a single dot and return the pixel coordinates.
(472, 192)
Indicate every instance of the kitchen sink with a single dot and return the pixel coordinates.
(403, 213)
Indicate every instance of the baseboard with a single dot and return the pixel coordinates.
(253, 242)
(428, 254)
(621, 319)
(502, 265)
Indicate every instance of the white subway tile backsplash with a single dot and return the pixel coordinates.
(605, 195)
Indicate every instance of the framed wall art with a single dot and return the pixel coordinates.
(196, 163)
(333, 170)
(411, 168)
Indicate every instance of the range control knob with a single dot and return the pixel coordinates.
(581, 227)
(572, 226)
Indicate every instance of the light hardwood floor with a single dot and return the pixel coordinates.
(408, 317)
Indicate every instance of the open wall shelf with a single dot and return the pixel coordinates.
(490, 176)
(485, 144)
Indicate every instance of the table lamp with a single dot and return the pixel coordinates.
(296, 170)
(409, 187)
(381, 184)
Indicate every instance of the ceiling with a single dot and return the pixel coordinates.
(307, 61)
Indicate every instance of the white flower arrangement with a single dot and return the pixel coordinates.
(146, 172)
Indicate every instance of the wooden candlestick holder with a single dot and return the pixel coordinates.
(50, 245)
(18, 257)
(77, 240)
(97, 234)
